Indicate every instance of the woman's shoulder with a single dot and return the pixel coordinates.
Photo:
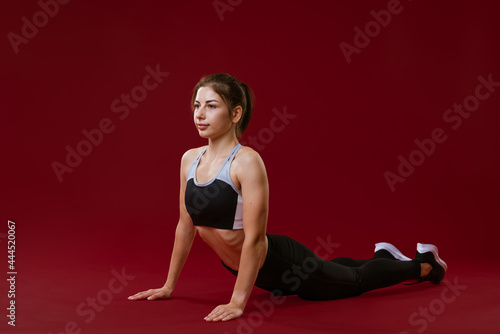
(195, 150)
(247, 156)
(249, 166)
(190, 155)
(247, 153)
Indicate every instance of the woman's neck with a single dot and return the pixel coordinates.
(220, 147)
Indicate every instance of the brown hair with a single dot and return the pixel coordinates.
(233, 92)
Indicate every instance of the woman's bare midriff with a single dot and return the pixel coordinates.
(227, 244)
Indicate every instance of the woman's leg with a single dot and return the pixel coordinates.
(383, 250)
(349, 262)
(295, 269)
(333, 281)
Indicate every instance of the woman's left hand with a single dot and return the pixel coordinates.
(225, 313)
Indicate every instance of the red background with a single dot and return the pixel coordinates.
(119, 207)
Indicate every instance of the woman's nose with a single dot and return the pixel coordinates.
(200, 113)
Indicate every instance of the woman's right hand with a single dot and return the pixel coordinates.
(152, 294)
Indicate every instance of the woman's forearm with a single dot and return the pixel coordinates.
(184, 237)
(251, 255)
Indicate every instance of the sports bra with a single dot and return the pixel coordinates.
(216, 203)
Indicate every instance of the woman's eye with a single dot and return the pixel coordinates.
(211, 106)
(196, 106)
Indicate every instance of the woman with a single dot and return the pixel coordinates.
(224, 197)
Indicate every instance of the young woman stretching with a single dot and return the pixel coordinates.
(224, 197)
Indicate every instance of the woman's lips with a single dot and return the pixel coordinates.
(202, 126)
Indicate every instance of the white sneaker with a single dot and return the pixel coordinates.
(428, 253)
(382, 247)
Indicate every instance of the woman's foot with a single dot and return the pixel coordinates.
(385, 250)
(427, 255)
(425, 269)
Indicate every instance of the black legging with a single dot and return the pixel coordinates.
(291, 268)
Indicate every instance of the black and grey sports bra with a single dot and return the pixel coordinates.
(216, 203)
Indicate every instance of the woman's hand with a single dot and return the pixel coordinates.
(152, 294)
(225, 313)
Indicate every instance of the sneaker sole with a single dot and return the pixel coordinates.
(424, 248)
(391, 249)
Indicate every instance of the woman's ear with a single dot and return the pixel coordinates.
(236, 113)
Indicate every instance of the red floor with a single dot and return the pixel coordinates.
(59, 281)
(353, 118)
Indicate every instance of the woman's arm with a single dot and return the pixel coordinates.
(184, 236)
(255, 194)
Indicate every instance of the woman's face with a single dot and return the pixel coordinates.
(211, 115)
